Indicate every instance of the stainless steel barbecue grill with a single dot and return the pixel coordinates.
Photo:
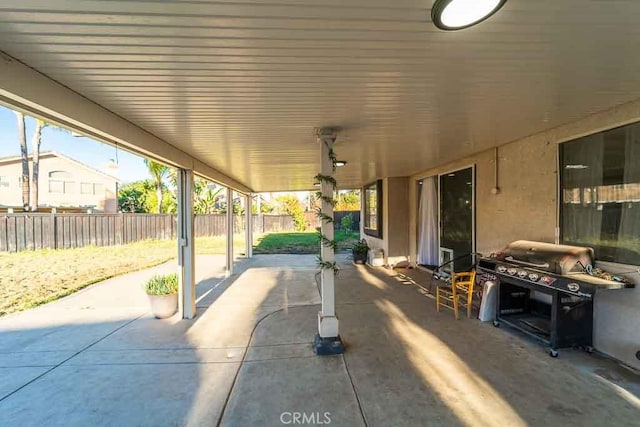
(547, 291)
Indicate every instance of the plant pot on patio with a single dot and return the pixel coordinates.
(163, 295)
(360, 251)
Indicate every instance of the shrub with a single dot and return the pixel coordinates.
(347, 222)
(162, 285)
(291, 205)
(361, 247)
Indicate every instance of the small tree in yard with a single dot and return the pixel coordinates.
(291, 205)
(36, 141)
(24, 155)
(158, 172)
(348, 200)
(207, 197)
(347, 223)
(141, 197)
(133, 197)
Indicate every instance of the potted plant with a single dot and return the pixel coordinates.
(163, 295)
(360, 251)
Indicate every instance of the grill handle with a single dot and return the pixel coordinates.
(530, 264)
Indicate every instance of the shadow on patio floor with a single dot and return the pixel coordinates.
(247, 359)
(410, 365)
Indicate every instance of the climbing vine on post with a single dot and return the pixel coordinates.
(322, 215)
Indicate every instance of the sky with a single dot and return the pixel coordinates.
(86, 150)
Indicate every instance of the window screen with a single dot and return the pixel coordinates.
(600, 193)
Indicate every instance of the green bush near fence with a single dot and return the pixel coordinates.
(347, 222)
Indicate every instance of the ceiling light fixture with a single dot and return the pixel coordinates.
(339, 163)
(459, 14)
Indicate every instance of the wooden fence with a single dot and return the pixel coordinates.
(31, 231)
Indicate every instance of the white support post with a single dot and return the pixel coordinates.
(229, 231)
(327, 320)
(248, 226)
(260, 219)
(186, 253)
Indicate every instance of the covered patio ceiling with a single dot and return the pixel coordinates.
(241, 86)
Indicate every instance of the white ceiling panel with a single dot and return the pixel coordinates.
(243, 85)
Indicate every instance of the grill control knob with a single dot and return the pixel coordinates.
(522, 274)
(547, 280)
(502, 269)
(511, 271)
(534, 277)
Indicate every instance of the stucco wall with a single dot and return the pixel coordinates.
(395, 221)
(617, 319)
(105, 201)
(526, 208)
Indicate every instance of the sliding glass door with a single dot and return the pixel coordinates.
(457, 218)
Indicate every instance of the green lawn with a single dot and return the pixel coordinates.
(32, 278)
(300, 242)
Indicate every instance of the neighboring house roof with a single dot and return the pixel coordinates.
(45, 154)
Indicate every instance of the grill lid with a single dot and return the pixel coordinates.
(558, 259)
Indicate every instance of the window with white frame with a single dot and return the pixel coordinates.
(4, 181)
(61, 182)
(91, 188)
(600, 193)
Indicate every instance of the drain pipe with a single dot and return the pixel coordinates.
(496, 188)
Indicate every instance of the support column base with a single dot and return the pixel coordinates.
(327, 341)
(327, 346)
(327, 326)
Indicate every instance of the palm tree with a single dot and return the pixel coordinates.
(35, 142)
(24, 154)
(206, 197)
(158, 172)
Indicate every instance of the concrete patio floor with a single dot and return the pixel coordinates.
(99, 358)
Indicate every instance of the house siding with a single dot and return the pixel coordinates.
(106, 201)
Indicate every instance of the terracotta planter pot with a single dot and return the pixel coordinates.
(163, 306)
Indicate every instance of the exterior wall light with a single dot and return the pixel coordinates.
(339, 163)
(459, 14)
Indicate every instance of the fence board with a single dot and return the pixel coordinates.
(66, 233)
(60, 232)
(77, 225)
(37, 232)
(13, 234)
(4, 235)
(98, 229)
(128, 229)
(29, 232)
